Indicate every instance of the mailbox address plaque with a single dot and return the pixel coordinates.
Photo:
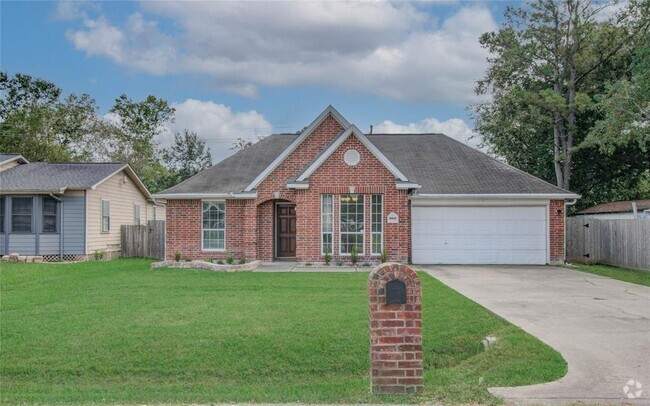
(395, 292)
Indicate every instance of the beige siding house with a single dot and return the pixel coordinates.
(69, 210)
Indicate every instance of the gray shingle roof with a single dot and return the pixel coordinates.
(443, 165)
(236, 172)
(4, 157)
(50, 177)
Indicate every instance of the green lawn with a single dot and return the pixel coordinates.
(622, 274)
(120, 332)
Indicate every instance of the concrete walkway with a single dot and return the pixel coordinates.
(600, 325)
(301, 267)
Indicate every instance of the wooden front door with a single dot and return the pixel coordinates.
(286, 231)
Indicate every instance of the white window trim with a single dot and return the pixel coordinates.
(225, 218)
(139, 212)
(381, 234)
(363, 243)
(322, 242)
(101, 216)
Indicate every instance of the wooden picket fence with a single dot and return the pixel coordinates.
(623, 243)
(144, 241)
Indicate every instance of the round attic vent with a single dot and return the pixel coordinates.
(352, 157)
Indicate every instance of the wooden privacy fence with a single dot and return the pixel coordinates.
(614, 242)
(144, 241)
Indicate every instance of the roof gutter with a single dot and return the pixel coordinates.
(34, 192)
(551, 196)
(194, 196)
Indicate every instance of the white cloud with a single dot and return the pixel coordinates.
(218, 124)
(390, 49)
(454, 128)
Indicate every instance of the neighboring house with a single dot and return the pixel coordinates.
(69, 210)
(420, 197)
(619, 210)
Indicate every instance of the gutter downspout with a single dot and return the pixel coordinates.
(60, 226)
(566, 204)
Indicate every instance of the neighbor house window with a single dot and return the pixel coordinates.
(106, 216)
(376, 224)
(21, 214)
(49, 215)
(352, 223)
(214, 226)
(327, 224)
(2, 214)
(136, 214)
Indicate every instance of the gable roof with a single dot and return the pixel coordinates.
(234, 173)
(4, 158)
(329, 111)
(444, 166)
(352, 130)
(617, 207)
(43, 177)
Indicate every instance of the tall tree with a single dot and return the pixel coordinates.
(541, 72)
(136, 126)
(241, 143)
(186, 157)
(39, 123)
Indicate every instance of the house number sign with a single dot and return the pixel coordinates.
(392, 218)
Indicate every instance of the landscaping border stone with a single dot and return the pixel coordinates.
(197, 264)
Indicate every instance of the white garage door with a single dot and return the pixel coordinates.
(479, 235)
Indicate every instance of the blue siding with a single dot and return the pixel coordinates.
(2, 244)
(23, 244)
(48, 244)
(74, 218)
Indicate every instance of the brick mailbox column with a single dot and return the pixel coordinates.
(395, 309)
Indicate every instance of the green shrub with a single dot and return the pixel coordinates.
(177, 256)
(354, 255)
(220, 262)
(242, 261)
(339, 263)
(229, 259)
(383, 256)
(328, 256)
(308, 264)
(99, 255)
(366, 264)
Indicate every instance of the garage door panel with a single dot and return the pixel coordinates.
(479, 235)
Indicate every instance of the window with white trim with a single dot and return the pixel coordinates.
(352, 224)
(21, 214)
(376, 224)
(136, 214)
(106, 215)
(214, 226)
(327, 224)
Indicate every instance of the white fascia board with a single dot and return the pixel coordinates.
(301, 186)
(549, 196)
(34, 192)
(365, 141)
(292, 147)
(17, 157)
(192, 196)
(407, 185)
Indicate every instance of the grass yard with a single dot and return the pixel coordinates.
(120, 332)
(622, 274)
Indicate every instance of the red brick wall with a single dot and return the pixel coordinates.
(556, 218)
(395, 332)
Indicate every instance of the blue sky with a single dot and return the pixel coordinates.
(247, 69)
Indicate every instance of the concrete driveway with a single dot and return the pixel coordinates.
(600, 325)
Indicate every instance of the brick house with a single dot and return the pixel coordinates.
(424, 198)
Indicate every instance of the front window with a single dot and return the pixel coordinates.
(376, 224)
(352, 223)
(327, 224)
(136, 214)
(49, 215)
(21, 214)
(214, 226)
(106, 216)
